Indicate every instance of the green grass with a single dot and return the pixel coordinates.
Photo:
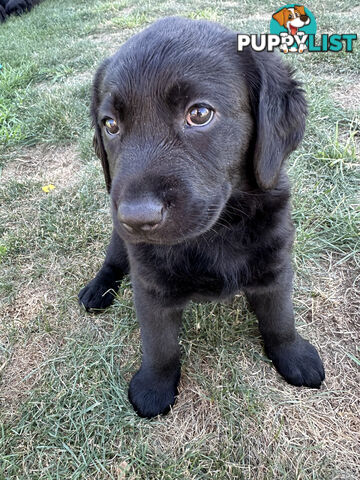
(64, 411)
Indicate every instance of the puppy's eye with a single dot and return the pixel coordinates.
(198, 116)
(111, 126)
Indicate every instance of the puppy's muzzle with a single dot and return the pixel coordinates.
(143, 214)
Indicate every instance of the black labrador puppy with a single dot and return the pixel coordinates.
(192, 136)
(18, 7)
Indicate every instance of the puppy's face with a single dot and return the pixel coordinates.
(175, 112)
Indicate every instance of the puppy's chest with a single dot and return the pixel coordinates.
(212, 271)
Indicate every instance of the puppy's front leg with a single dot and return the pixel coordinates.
(153, 388)
(294, 357)
(98, 294)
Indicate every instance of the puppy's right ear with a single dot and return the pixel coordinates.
(97, 140)
(101, 153)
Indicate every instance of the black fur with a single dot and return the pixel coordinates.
(17, 7)
(222, 189)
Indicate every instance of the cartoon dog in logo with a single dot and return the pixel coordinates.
(292, 19)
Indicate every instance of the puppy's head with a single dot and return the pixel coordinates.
(182, 121)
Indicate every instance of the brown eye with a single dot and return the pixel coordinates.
(111, 126)
(198, 116)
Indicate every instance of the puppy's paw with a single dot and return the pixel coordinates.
(298, 362)
(99, 293)
(151, 396)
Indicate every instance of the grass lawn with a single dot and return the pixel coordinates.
(64, 412)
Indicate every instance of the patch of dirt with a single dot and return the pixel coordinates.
(259, 16)
(28, 303)
(69, 81)
(22, 370)
(194, 416)
(111, 37)
(348, 96)
(55, 165)
(20, 365)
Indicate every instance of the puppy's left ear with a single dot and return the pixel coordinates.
(279, 110)
(97, 140)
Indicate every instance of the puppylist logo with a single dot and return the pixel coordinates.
(293, 24)
(293, 29)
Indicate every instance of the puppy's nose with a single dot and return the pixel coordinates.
(144, 214)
